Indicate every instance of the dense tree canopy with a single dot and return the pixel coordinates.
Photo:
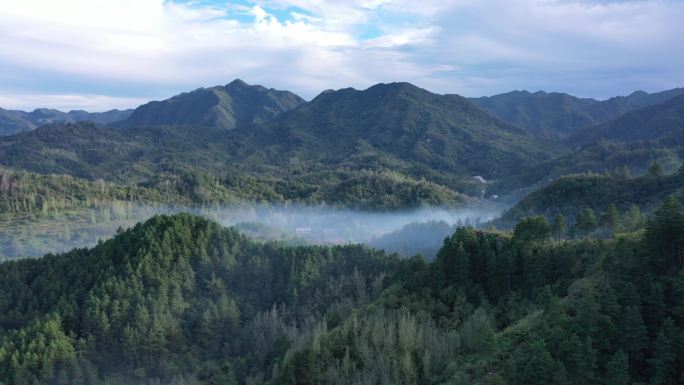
(181, 300)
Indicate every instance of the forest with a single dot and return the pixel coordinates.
(181, 300)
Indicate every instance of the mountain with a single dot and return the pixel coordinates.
(228, 107)
(106, 117)
(545, 114)
(404, 126)
(663, 122)
(558, 115)
(14, 121)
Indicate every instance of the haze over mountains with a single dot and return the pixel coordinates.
(558, 115)
(660, 122)
(14, 121)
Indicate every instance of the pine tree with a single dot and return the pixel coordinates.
(558, 226)
(611, 219)
(461, 265)
(617, 370)
(586, 222)
(663, 359)
(634, 219)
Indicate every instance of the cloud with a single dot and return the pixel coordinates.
(89, 53)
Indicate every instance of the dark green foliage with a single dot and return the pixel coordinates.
(586, 222)
(610, 218)
(532, 229)
(617, 158)
(567, 316)
(569, 195)
(558, 226)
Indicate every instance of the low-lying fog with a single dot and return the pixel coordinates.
(407, 232)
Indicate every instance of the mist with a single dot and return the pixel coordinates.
(407, 232)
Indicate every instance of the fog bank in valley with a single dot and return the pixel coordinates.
(407, 232)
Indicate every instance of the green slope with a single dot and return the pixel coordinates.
(571, 194)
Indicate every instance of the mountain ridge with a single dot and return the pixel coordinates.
(234, 105)
(559, 115)
(16, 121)
(663, 121)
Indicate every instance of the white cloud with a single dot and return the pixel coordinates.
(136, 49)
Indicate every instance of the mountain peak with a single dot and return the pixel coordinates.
(237, 83)
(234, 105)
(394, 87)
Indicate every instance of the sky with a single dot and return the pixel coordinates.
(103, 54)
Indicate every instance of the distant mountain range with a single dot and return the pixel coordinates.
(550, 115)
(660, 122)
(14, 121)
(559, 115)
(397, 126)
(385, 146)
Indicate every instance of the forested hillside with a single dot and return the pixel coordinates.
(175, 299)
(180, 300)
(518, 311)
(571, 194)
(401, 126)
(630, 158)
